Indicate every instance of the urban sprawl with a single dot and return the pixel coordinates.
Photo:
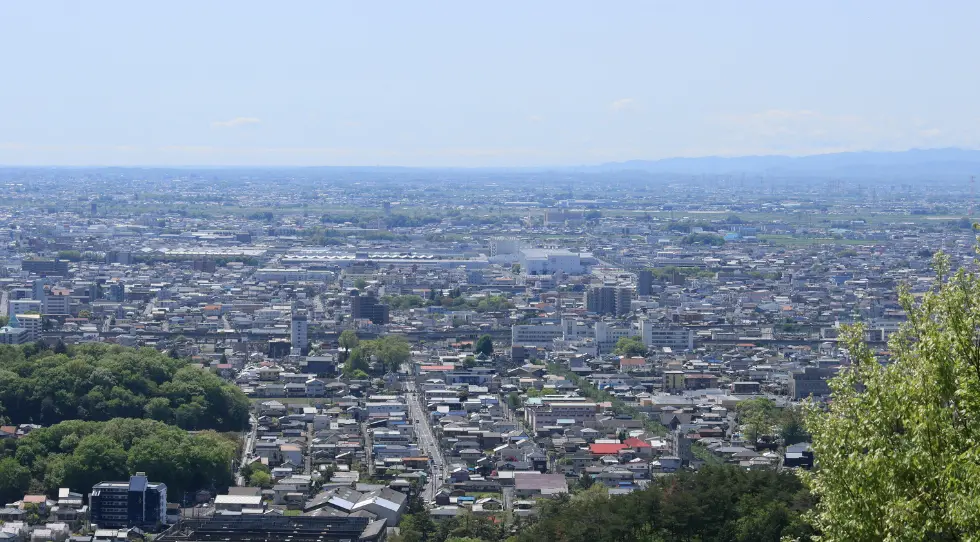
(346, 348)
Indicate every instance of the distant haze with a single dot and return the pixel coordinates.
(486, 84)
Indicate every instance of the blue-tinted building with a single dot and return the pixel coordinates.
(136, 503)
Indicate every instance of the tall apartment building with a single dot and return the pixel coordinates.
(298, 331)
(367, 307)
(644, 282)
(608, 300)
(136, 503)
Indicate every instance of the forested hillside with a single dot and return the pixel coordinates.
(100, 382)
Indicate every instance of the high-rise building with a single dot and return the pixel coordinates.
(644, 282)
(608, 300)
(117, 292)
(136, 503)
(367, 307)
(298, 331)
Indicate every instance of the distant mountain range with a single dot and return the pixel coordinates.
(915, 162)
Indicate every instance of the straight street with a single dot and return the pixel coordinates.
(427, 441)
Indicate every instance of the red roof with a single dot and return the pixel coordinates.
(636, 443)
(632, 361)
(606, 449)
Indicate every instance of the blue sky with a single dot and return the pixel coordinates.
(503, 83)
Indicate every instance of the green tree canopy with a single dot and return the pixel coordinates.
(757, 416)
(79, 454)
(896, 450)
(484, 345)
(101, 382)
(348, 340)
(630, 346)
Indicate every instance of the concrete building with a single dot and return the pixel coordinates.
(32, 323)
(367, 307)
(298, 331)
(812, 381)
(659, 336)
(540, 261)
(608, 300)
(136, 503)
(644, 282)
(535, 334)
(57, 303)
(501, 246)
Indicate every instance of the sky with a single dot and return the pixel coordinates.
(459, 83)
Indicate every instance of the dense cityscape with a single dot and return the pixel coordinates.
(406, 354)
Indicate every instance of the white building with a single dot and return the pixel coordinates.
(32, 323)
(659, 336)
(500, 246)
(543, 261)
(535, 334)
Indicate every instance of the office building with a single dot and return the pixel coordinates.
(656, 336)
(298, 331)
(367, 307)
(608, 300)
(122, 505)
(23, 306)
(57, 303)
(46, 268)
(535, 334)
(30, 322)
(644, 282)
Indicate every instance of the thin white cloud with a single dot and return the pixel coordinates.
(931, 132)
(235, 122)
(535, 118)
(622, 104)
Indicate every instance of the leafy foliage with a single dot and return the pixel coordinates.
(715, 503)
(484, 345)
(896, 449)
(390, 350)
(101, 382)
(630, 346)
(80, 454)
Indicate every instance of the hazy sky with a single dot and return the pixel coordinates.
(465, 83)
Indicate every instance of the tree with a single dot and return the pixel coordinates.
(791, 426)
(630, 346)
(15, 479)
(360, 284)
(260, 479)
(896, 448)
(484, 345)
(469, 362)
(348, 340)
(392, 350)
(757, 415)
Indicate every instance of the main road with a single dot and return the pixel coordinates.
(427, 441)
